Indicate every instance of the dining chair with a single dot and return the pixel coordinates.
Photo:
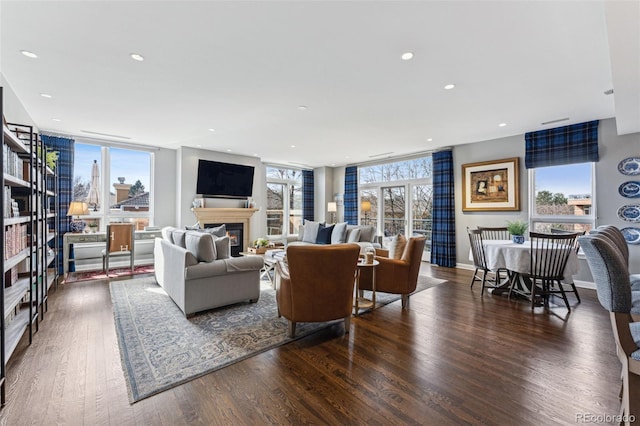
(120, 243)
(613, 288)
(482, 272)
(549, 256)
(496, 233)
(617, 238)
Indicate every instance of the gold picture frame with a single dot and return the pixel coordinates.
(491, 185)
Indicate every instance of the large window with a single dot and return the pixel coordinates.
(284, 201)
(115, 183)
(397, 197)
(562, 197)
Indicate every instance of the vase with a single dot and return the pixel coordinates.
(518, 239)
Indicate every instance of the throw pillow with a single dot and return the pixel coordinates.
(339, 234)
(218, 231)
(192, 227)
(300, 232)
(324, 234)
(201, 245)
(178, 237)
(310, 231)
(223, 247)
(167, 233)
(353, 236)
(367, 233)
(398, 243)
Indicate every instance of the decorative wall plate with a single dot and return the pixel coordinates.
(630, 213)
(629, 166)
(632, 235)
(630, 189)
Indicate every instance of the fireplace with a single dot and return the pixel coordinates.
(235, 232)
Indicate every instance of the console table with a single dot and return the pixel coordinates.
(71, 238)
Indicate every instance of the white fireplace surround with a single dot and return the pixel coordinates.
(226, 215)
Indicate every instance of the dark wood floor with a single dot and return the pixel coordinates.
(453, 358)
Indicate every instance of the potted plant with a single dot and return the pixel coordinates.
(517, 228)
(260, 245)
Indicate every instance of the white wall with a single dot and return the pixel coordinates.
(186, 177)
(164, 186)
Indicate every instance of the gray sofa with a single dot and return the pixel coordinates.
(312, 233)
(197, 271)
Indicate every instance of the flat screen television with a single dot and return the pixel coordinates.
(216, 179)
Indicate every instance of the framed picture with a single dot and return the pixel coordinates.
(491, 185)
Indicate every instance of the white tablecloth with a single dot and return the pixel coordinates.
(517, 257)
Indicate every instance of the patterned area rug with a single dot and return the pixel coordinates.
(160, 348)
(113, 273)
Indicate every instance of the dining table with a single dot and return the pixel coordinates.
(516, 259)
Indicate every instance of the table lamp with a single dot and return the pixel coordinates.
(77, 208)
(332, 208)
(365, 206)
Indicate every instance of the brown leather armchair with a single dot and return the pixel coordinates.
(317, 284)
(398, 276)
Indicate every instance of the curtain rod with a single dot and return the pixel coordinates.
(100, 141)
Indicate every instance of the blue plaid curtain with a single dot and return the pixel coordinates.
(64, 170)
(351, 195)
(443, 233)
(577, 143)
(308, 195)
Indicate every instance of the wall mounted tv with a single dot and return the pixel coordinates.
(216, 179)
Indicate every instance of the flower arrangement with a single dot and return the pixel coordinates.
(517, 227)
(261, 242)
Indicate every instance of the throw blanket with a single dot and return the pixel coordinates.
(241, 264)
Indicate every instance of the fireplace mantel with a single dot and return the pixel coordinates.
(226, 215)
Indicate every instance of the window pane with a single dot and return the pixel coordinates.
(130, 175)
(421, 205)
(84, 157)
(418, 168)
(546, 227)
(275, 208)
(394, 210)
(563, 190)
(295, 208)
(369, 207)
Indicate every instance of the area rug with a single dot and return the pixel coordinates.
(160, 348)
(113, 273)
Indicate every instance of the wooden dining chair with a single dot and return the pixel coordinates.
(613, 288)
(549, 256)
(496, 233)
(482, 272)
(120, 243)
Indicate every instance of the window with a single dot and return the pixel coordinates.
(562, 197)
(115, 183)
(397, 197)
(284, 201)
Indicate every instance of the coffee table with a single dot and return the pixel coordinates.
(269, 262)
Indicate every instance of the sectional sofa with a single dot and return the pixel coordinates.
(320, 233)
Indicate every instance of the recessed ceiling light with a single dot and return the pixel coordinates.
(293, 146)
(449, 86)
(56, 119)
(407, 56)
(212, 130)
(198, 146)
(29, 54)
(137, 57)
(502, 124)
(46, 95)
(302, 107)
(430, 140)
(255, 155)
(228, 149)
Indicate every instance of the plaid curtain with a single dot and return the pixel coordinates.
(64, 171)
(443, 234)
(577, 143)
(308, 195)
(351, 195)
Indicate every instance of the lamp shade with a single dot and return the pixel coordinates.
(332, 207)
(365, 206)
(77, 208)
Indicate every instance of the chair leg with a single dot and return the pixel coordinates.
(347, 324)
(292, 329)
(474, 278)
(564, 295)
(575, 291)
(533, 294)
(484, 279)
(106, 269)
(405, 301)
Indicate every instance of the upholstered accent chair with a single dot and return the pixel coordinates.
(317, 283)
(611, 277)
(398, 276)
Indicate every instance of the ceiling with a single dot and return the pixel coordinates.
(245, 69)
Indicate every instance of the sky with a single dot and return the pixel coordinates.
(130, 164)
(571, 179)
